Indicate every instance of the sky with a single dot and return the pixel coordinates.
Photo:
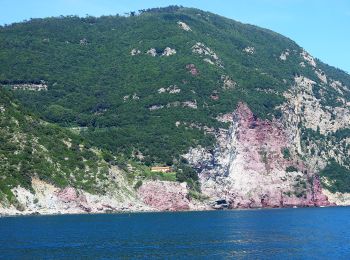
(322, 27)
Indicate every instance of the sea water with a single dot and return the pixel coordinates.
(303, 233)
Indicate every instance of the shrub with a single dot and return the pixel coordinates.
(138, 185)
(286, 153)
(291, 169)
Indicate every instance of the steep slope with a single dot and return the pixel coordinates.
(262, 121)
(35, 154)
(46, 169)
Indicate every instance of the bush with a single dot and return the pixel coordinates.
(291, 169)
(286, 153)
(197, 195)
(138, 185)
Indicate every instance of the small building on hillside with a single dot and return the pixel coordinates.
(161, 169)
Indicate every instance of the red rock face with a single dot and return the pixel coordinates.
(192, 69)
(251, 170)
(164, 195)
(262, 140)
(318, 197)
(70, 195)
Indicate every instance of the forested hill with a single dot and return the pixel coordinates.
(34, 148)
(153, 83)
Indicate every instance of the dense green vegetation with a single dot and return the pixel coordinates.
(33, 148)
(337, 177)
(291, 169)
(87, 66)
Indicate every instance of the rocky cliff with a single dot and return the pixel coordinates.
(248, 167)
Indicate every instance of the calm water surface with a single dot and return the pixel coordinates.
(314, 233)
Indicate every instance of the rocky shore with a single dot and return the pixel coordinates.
(153, 196)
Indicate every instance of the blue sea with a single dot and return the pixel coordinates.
(303, 233)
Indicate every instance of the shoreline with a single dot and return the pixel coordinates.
(162, 211)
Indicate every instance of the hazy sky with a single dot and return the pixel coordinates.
(322, 27)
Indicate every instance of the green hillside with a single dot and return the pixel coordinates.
(33, 148)
(157, 106)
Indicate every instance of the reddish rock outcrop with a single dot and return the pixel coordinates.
(250, 169)
(318, 197)
(165, 195)
(192, 69)
(71, 196)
